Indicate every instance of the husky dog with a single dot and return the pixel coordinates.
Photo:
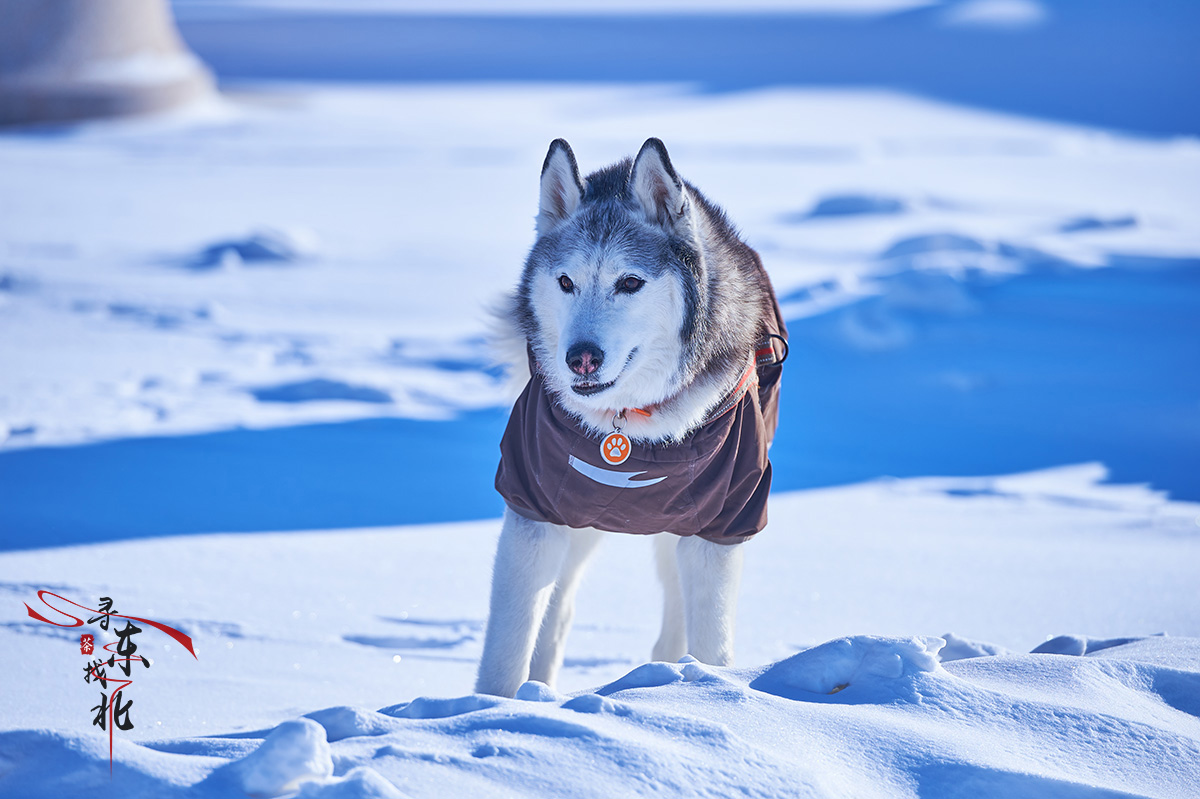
(654, 343)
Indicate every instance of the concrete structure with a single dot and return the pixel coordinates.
(63, 60)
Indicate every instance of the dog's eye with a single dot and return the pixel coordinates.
(565, 284)
(630, 284)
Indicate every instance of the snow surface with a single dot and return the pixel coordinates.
(897, 723)
(357, 621)
(225, 333)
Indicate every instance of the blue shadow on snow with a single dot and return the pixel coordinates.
(1053, 367)
(325, 476)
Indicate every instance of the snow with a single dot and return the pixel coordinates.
(1003, 14)
(320, 391)
(850, 204)
(374, 634)
(208, 8)
(245, 391)
(834, 666)
(296, 751)
(900, 724)
(264, 247)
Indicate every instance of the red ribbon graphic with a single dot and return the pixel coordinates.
(184, 639)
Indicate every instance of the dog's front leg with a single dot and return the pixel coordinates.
(709, 575)
(548, 654)
(529, 558)
(672, 640)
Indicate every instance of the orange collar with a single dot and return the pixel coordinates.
(731, 399)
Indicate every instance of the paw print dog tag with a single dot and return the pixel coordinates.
(614, 449)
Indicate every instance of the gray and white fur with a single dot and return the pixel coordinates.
(637, 293)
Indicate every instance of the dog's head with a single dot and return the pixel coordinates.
(611, 287)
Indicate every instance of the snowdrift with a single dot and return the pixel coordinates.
(861, 716)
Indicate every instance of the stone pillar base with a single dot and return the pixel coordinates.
(68, 60)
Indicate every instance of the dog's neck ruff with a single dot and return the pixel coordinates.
(749, 378)
(616, 446)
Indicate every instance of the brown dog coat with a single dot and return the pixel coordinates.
(713, 484)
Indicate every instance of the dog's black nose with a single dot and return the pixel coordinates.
(584, 358)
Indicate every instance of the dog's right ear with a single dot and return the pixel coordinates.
(561, 187)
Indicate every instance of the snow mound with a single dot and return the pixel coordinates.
(51, 763)
(16, 284)
(359, 783)
(899, 725)
(263, 247)
(976, 261)
(957, 648)
(427, 708)
(295, 751)
(1082, 224)
(1080, 645)
(933, 242)
(866, 664)
(351, 722)
(839, 205)
(1179, 654)
(648, 675)
(594, 703)
(534, 691)
(158, 318)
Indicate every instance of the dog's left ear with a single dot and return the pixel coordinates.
(658, 189)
